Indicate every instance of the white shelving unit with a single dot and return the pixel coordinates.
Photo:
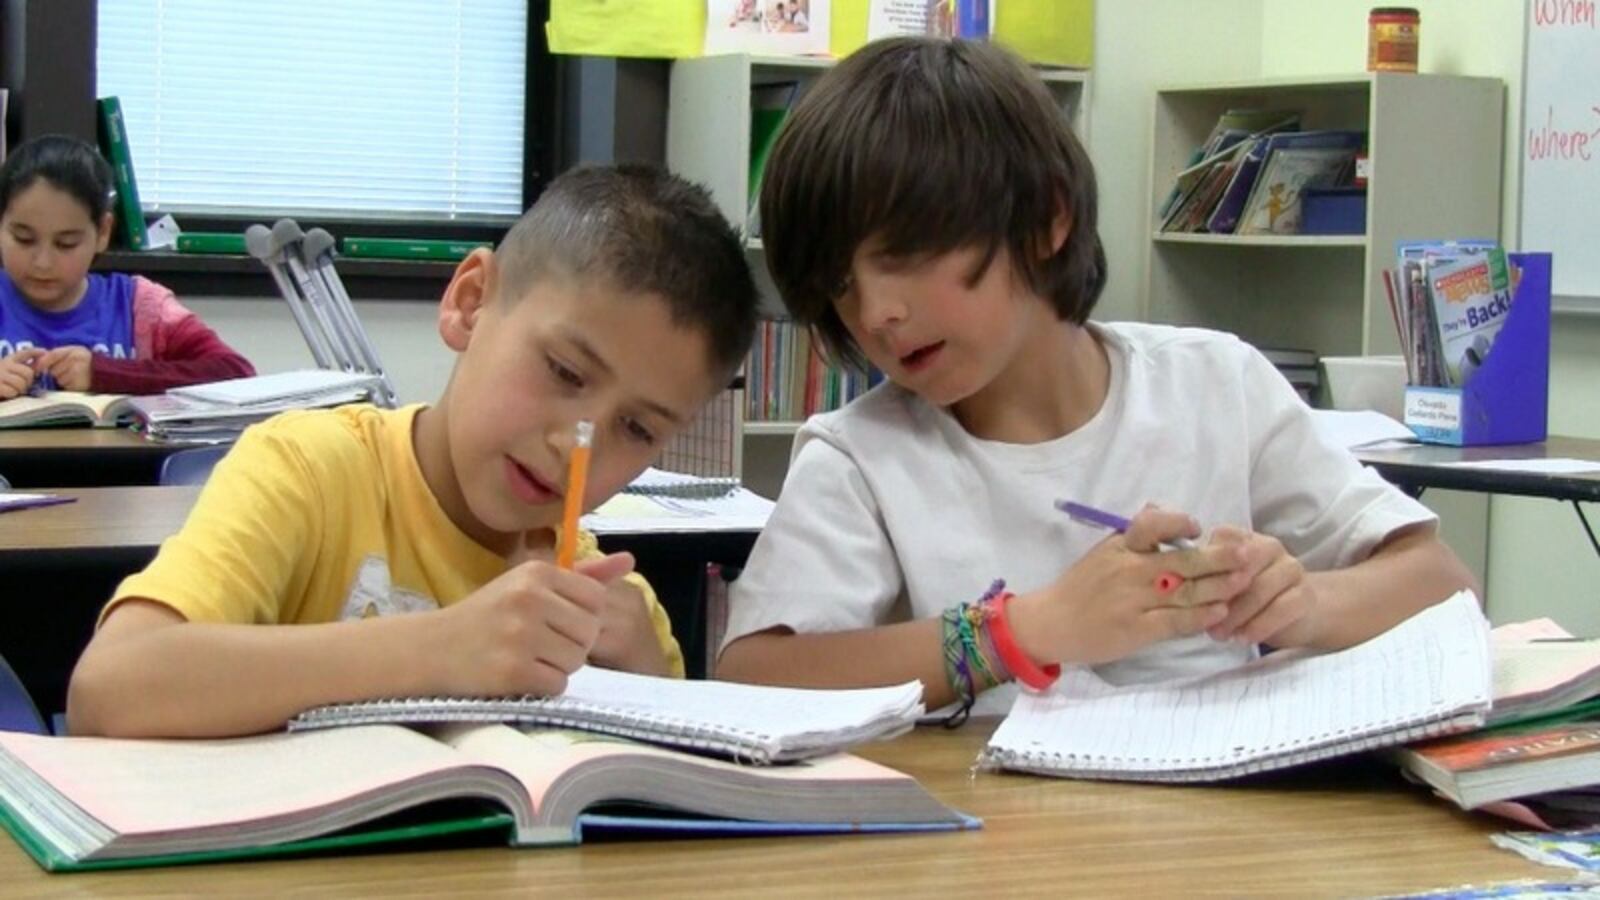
(708, 141)
(1434, 143)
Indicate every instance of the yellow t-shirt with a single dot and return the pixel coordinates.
(321, 516)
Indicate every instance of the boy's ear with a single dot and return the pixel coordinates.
(102, 237)
(463, 302)
(1060, 228)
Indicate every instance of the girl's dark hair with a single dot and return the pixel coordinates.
(927, 145)
(69, 164)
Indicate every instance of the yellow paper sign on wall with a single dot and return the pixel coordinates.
(650, 28)
(1045, 32)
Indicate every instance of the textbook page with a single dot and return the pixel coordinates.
(1427, 675)
(739, 509)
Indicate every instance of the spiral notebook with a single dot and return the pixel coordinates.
(751, 723)
(1427, 676)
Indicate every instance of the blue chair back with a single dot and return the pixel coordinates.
(192, 466)
(17, 712)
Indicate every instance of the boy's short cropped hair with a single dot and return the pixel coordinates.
(927, 145)
(640, 229)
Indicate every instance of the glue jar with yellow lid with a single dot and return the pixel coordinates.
(1392, 39)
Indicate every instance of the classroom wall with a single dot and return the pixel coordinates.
(1539, 560)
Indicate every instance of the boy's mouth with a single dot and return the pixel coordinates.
(921, 357)
(527, 486)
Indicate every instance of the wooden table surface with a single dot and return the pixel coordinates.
(98, 519)
(1353, 835)
(80, 457)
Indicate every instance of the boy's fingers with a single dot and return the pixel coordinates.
(27, 355)
(1152, 526)
(1181, 621)
(607, 568)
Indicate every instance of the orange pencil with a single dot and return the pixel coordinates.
(577, 477)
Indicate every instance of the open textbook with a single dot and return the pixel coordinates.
(65, 408)
(1427, 676)
(86, 803)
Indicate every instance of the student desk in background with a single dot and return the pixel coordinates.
(59, 565)
(1353, 830)
(79, 457)
(1415, 469)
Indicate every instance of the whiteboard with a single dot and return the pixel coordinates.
(1560, 163)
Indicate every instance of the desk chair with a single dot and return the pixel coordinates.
(192, 466)
(17, 712)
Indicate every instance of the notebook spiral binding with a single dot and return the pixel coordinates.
(699, 489)
(742, 745)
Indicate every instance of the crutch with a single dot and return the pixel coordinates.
(317, 254)
(286, 238)
(258, 241)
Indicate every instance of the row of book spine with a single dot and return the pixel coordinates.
(787, 379)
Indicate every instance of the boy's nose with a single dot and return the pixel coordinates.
(881, 309)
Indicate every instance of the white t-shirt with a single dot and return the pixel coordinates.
(891, 511)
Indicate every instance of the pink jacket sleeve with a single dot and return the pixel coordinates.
(172, 348)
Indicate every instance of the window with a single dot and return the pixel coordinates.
(401, 110)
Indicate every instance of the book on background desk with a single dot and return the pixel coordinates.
(749, 722)
(87, 803)
(1427, 676)
(65, 408)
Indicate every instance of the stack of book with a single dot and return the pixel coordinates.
(1448, 300)
(1537, 761)
(1252, 171)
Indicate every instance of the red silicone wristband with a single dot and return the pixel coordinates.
(1022, 667)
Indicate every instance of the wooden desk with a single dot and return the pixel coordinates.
(99, 521)
(1370, 834)
(80, 457)
(1415, 469)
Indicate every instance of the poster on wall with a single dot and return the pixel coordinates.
(776, 27)
(940, 18)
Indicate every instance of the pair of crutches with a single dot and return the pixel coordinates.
(301, 264)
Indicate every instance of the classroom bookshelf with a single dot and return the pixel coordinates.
(1434, 146)
(710, 109)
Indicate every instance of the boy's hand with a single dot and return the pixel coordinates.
(1279, 604)
(521, 633)
(627, 634)
(69, 366)
(1107, 605)
(17, 372)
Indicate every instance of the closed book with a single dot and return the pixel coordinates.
(211, 242)
(408, 248)
(114, 145)
(78, 803)
(1509, 761)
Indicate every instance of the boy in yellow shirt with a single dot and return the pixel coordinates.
(621, 297)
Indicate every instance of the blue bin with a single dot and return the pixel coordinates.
(1341, 210)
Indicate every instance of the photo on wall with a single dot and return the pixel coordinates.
(778, 27)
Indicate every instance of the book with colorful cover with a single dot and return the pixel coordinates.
(1517, 760)
(1274, 205)
(1471, 295)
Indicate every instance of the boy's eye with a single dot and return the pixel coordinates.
(637, 431)
(563, 374)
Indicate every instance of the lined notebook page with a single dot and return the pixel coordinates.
(753, 722)
(1428, 675)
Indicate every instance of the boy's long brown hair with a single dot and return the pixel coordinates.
(924, 146)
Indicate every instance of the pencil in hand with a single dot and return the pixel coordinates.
(577, 478)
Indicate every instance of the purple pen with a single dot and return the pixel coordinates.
(1099, 518)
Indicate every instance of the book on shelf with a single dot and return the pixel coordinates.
(49, 408)
(1292, 162)
(1427, 676)
(1234, 131)
(221, 242)
(769, 106)
(92, 803)
(409, 248)
(787, 379)
(114, 145)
